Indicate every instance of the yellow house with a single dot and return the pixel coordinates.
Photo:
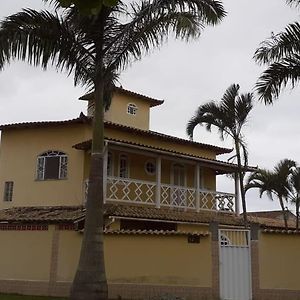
(168, 229)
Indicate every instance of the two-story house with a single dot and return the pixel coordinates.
(168, 229)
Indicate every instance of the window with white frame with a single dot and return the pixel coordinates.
(123, 166)
(150, 167)
(52, 165)
(109, 164)
(132, 109)
(8, 191)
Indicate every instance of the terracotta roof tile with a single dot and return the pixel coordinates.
(80, 120)
(57, 214)
(87, 144)
(156, 232)
(42, 214)
(152, 101)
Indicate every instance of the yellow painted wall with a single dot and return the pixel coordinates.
(117, 112)
(279, 261)
(160, 143)
(18, 161)
(25, 255)
(144, 259)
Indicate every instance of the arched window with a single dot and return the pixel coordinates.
(52, 165)
(132, 109)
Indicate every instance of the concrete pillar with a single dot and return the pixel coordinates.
(214, 229)
(255, 260)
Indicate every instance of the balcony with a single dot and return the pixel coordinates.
(132, 191)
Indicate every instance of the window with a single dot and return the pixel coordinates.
(109, 164)
(150, 167)
(123, 166)
(132, 109)
(8, 191)
(52, 165)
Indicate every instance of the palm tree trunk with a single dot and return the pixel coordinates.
(90, 279)
(240, 174)
(284, 212)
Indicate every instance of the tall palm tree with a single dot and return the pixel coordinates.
(94, 49)
(229, 116)
(275, 182)
(281, 54)
(294, 194)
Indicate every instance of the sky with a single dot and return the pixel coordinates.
(185, 75)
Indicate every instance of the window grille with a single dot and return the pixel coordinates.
(132, 109)
(52, 165)
(8, 191)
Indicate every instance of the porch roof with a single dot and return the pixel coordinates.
(73, 214)
(221, 167)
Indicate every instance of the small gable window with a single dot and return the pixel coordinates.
(52, 165)
(132, 109)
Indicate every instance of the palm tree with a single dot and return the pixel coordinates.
(229, 116)
(275, 182)
(95, 49)
(281, 53)
(294, 194)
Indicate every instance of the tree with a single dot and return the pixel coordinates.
(87, 7)
(275, 182)
(294, 191)
(281, 53)
(229, 116)
(95, 49)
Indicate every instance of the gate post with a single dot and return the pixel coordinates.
(255, 260)
(214, 229)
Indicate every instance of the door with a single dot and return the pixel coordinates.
(235, 265)
(178, 190)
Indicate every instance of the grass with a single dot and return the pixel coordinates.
(21, 297)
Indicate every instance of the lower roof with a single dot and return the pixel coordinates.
(72, 214)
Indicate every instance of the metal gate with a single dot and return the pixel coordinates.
(235, 264)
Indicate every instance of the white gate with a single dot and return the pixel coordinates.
(235, 265)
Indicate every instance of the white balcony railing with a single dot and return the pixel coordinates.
(145, 192)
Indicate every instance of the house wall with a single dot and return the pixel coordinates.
(26, 255)
(153, 141)
(145, 264)
(117, 112)
(130, 259)
(279, 262)
(18, 160)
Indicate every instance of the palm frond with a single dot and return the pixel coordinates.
(43, 38)
(279, 46)
(276, 77)
(151, 22)
(294, 3)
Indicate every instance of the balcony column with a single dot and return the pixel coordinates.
(237, 198)
(105, 155)
(158, 181)
(197, 173)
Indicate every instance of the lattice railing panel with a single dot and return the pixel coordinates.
(177, 196)
(130, 190)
